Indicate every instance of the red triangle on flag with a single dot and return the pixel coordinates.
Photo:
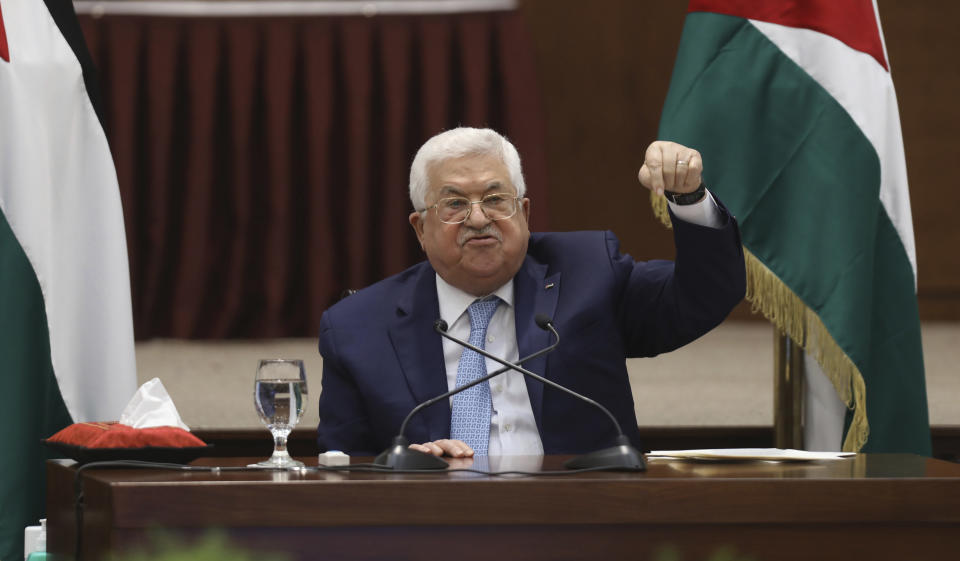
(4, 50)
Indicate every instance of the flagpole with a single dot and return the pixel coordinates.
(788, 375)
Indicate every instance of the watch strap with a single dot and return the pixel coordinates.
(686, 198)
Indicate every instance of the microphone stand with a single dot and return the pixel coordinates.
(400, 456)
(621, 456)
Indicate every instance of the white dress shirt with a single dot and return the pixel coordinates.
(513, 428)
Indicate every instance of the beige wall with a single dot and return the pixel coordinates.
(722, 379)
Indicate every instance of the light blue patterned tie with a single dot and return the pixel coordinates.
(470, 415)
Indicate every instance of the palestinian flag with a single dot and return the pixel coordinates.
(66, 331)
(792, 105)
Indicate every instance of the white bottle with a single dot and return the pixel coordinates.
(35, 542)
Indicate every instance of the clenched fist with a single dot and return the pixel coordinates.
(668, 166)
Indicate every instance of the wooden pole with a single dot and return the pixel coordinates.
(787, 392)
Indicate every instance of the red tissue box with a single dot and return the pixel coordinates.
(107, 441)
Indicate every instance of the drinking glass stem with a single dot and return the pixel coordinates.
(280, 442)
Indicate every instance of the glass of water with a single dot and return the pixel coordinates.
(280, 393)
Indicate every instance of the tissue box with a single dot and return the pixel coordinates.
(116, 435)
(107, 441)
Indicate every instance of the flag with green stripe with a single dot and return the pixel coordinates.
(66, 331)
(792, 105)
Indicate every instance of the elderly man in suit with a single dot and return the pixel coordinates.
(488, 277)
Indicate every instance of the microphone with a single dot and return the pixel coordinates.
(400, 456)
(622, 455)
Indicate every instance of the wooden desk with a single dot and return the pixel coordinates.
(869, 507)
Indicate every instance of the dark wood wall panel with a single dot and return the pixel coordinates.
(922, 44)
(604, 67)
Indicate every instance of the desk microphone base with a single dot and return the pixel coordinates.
(399, 456)
(620, 457)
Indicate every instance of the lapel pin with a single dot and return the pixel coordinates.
(549, 286)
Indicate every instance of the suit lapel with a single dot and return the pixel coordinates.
(534, 293)
(420, 351)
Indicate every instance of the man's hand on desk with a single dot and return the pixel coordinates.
(445, 447)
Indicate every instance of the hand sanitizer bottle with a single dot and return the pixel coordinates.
(35, 542)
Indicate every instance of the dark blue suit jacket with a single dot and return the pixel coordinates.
(381, 356)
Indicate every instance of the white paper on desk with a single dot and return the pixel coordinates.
(151, 406)
(774, 454)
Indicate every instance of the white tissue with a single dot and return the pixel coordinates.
(151, 406)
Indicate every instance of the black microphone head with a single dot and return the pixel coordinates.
(543, 321)
(440, 325)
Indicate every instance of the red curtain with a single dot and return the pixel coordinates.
(263, 161)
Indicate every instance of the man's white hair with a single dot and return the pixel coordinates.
(457, 143)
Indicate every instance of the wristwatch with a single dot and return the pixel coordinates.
(686, 198)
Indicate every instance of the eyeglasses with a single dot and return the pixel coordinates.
(456, 210)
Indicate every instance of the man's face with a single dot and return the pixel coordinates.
(479, 255)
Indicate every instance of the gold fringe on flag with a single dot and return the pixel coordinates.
(771, 297)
